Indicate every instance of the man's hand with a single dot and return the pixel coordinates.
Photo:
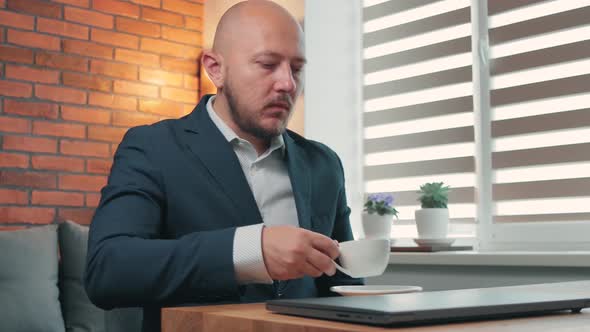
(291, 252)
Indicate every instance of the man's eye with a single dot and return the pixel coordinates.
(267, 65)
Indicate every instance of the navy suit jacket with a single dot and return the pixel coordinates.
(163, 232)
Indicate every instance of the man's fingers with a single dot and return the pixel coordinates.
(291, 252)
(326, 245)
(321, 262)
(310, 270)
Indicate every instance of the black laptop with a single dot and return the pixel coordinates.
(442, 306)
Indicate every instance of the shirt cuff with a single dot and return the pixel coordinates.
(248, 260)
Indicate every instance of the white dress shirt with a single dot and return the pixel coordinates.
(269, 181)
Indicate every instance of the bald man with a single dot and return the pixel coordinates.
(224, 205)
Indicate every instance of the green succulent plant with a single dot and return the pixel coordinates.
(434, 195)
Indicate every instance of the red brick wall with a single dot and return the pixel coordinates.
(74, 76)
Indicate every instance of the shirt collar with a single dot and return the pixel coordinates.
(276, 142)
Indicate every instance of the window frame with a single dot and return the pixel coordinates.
(490, 236)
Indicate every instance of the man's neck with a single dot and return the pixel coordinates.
(221, 108)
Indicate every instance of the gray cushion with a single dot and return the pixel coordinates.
(79, 313)
(124, 320)
(29, 295)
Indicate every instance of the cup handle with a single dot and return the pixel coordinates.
(343, 270)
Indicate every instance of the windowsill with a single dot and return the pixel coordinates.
(499, 258)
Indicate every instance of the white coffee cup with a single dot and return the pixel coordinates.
(363, 258)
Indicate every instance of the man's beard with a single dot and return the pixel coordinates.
(247, 123)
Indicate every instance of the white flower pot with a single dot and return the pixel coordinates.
(432, 223)
(376, 226)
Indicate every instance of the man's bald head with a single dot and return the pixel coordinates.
(245, 18)
(257, 65)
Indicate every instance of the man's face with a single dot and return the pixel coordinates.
(262, 80)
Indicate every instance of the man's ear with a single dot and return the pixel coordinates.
(212, 63)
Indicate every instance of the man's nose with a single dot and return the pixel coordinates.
(285, 82)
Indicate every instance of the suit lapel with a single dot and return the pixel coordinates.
(300, 180)
(210, 147)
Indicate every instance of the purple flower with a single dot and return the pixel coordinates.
(381, 204)
(389, 200)
(382, 197)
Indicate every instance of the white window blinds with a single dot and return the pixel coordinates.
(418, 106)
(419, 120)
(540, 109)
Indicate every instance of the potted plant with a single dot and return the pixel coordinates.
(378, 216)
(432, 220)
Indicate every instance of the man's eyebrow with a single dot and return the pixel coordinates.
(301, 59)
(277, 55)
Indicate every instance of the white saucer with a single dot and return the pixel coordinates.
(435, 242)
(374, 290)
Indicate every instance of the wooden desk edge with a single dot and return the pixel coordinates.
(178, 319)
(255, 317)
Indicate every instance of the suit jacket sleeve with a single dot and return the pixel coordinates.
(128, 261)
(341, 232)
